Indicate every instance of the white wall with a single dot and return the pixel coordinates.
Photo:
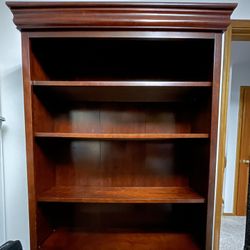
(12, 109)
(13, 130)
(240, 77)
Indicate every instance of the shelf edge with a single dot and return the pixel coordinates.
(122, 83)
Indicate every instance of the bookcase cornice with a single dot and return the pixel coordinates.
(121, 15)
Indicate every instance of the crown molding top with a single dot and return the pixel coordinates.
(121, 15)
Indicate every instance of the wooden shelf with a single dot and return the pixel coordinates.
(76, 239)
(123, 83)
(121, 195)
(122, 136)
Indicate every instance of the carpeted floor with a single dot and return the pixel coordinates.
(232, 233)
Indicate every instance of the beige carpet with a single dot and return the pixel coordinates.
(232, 233)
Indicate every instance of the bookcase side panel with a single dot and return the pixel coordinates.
(213, 139)
(29, 138)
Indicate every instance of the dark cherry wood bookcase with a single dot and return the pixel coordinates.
(121, 104)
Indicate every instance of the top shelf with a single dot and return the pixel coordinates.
(121, 60)
(123, 83)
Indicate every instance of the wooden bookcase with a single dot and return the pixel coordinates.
(121, 104)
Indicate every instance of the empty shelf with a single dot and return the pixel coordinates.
(121, 195)
(78, 240)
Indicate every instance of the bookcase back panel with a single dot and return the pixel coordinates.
(119, 117)
(121, 59)
(120, 163)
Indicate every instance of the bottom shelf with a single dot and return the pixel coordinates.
(76, 239)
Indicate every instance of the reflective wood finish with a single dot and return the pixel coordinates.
(122, 83)
(121, 136)
(121, 15)
(121, 195)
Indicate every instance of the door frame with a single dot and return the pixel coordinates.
(3, 233)
(2, 188)
(239, 30)
(2, 193)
